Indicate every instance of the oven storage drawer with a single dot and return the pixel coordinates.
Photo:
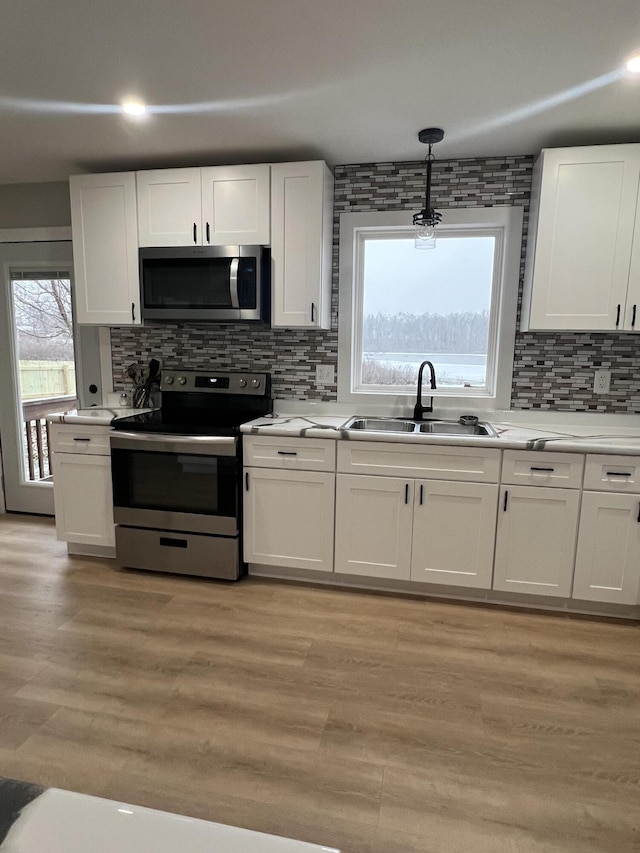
(183, 553)
(305, 454)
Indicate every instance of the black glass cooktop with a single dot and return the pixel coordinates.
(159, 422)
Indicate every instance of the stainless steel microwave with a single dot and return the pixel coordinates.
(205, 283)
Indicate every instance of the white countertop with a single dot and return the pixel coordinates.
(572, 438)
(613, 434)
(99, 416)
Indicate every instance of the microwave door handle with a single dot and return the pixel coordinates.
(233, 283)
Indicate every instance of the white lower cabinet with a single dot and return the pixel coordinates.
(608, 555)
(560, 525)
(374, 520)
(454, 533)
(288, 518)
(82, 487)
(432, 531)
(83, 499)
(536, 540)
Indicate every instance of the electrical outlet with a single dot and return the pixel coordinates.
(602, 382)
(325, 374)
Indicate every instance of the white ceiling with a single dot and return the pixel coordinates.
(349, 81)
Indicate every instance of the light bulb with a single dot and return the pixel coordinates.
(633, 64)
(425, 237)
(134, 108)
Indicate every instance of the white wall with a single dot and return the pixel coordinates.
(34, 205)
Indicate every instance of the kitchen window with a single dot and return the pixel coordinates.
(454, 305)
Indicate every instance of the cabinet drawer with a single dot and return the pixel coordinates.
(66, 438)
(612, 473)
(553, 470)
(477, 464)
(307, 454)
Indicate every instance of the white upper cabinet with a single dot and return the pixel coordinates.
(235, 205)
(169, 207)
(105, 249)
(301, 244)
(214, 206)
(583, 262)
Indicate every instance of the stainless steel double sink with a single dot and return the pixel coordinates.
(434, 427)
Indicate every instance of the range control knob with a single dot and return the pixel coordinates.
(182, 380)
(255, 383)
(168, 380)
(242, 383)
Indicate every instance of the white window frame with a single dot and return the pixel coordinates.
(502, 221)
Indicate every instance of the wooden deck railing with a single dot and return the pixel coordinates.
(36, 431)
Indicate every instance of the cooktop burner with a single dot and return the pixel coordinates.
(201, 403)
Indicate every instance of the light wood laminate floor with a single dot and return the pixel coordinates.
(367, 722)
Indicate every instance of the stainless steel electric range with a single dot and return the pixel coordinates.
(176, 474)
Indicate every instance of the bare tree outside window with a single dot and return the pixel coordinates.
(43, 318)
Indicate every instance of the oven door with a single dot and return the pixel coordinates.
(175, 482)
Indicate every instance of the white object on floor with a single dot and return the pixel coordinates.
(65, 822)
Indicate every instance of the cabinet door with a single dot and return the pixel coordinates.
(169, 207)
(83, 499)
(373, 526)
(235, 205)
(105, 249)
(454, 527)
(632, 314)
(608, 556)
(288, 518)
(536, 539)
(585, 225)
(301, 235)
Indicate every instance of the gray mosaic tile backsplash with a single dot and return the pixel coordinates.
(551, 371)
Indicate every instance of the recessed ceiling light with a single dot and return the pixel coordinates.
(633, 64)
(134, 108)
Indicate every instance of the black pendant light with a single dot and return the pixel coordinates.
(428, 219)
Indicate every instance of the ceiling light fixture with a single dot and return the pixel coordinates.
(428, 219)
(134, 108)
(633, 64)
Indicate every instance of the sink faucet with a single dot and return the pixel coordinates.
(419, 410)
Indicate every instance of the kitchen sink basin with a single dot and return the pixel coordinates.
(455, 428)
(434, 427)
(381, 425)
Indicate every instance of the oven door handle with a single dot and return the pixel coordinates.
(199, 445)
